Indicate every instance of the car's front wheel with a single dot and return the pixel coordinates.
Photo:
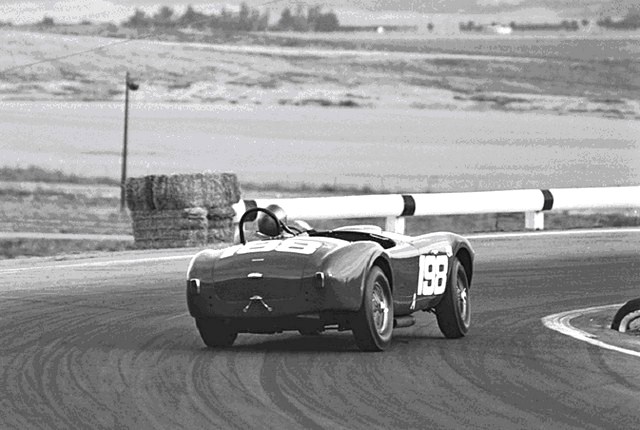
(372, 325)
(453, 312)
(216, 333)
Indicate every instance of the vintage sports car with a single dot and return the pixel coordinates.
(357, 278)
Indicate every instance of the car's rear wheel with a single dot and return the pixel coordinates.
(372, 325)
(216, 333)
(453, 312)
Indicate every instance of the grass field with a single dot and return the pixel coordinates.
(91, 206)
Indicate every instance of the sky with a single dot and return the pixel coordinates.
(349, 11)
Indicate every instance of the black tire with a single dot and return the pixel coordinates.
(625, 315)
(215, 333)
(372, 325)
(453, 312)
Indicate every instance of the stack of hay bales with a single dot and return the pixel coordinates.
(171, 211)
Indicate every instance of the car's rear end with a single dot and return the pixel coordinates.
(271, 286)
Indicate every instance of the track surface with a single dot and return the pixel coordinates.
(108, 344)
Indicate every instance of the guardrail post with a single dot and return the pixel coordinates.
(534, 220)
(395, 224)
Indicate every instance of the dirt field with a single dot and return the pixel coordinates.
(384, 149)
(579, 76)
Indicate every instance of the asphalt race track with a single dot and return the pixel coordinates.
(107, 343)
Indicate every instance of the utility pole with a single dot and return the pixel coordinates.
(129, 85)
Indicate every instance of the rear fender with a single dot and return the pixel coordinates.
(458, 247)
(201, 265)
(346, 271)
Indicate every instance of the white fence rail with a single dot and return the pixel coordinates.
(395, 207)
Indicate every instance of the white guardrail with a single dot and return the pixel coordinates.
(395, 207)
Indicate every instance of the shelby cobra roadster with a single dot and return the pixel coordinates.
(357, 278)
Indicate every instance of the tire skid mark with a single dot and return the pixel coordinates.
(334, 390)
(225, 407)
(206, 403)
(440, 363)
(544, 373)
(516, 388)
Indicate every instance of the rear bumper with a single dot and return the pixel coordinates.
(258, 301)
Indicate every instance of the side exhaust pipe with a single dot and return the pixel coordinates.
(405, 321)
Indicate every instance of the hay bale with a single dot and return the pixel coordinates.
(221, 213)
(138, 194)
(184, 227)
(171, 217)
(162, 192)
(202, 190)
(219, 236)
(182, 210)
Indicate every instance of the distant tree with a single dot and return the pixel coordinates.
(47, 21)
(164, 17)
(630, 22)
(633, 18)
(327, 22)
(192, 18)
(430, 27)
(286, 20)
(226, 21)
(263, 22)
(139, 19)
(585, 22)
(244, 17)
(313, 19)
(314, 15)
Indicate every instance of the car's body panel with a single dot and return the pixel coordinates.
(279, 284)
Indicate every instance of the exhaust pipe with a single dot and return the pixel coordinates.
(405, 321)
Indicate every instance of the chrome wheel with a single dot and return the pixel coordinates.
(372, 325)
(463, 301)
(380, 308)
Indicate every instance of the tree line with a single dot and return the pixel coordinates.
(630, 22)
(246, 19)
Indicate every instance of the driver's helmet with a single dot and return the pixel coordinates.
(267, 225)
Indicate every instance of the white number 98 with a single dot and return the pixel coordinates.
(432, 274)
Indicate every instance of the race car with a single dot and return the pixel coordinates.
(357, 278)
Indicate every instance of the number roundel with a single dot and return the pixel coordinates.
(432, 274)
